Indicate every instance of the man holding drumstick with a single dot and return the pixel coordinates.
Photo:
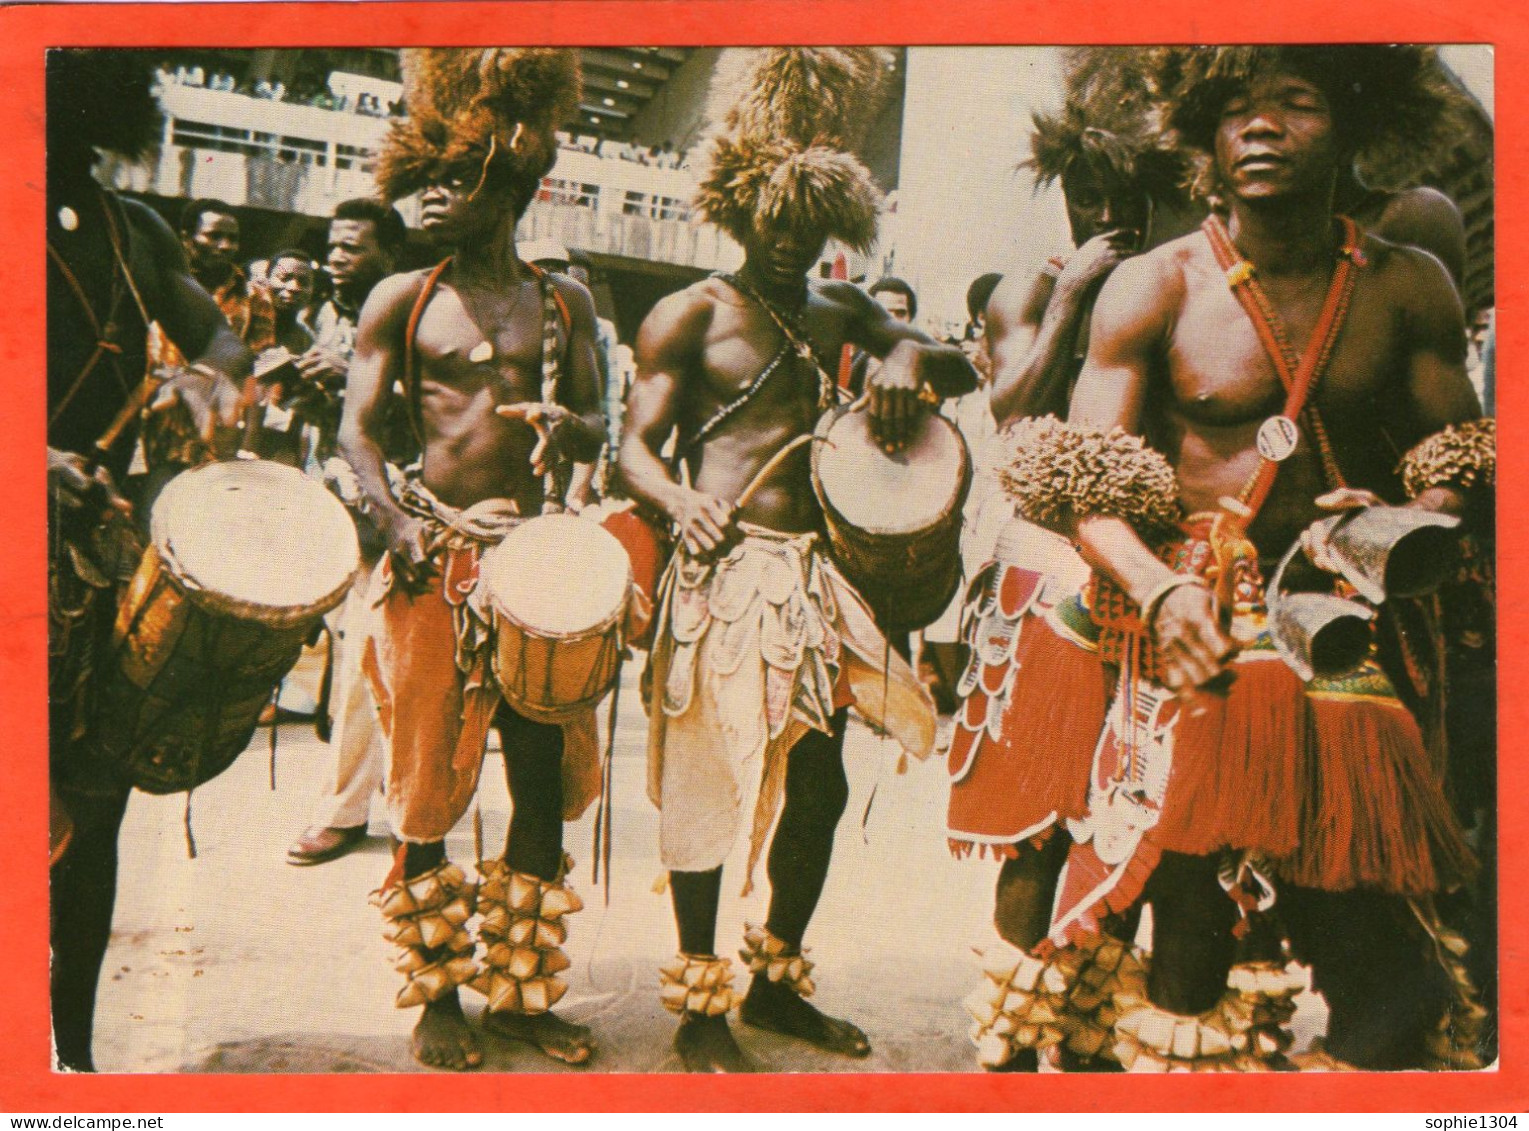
(762, 645)
(478, 343)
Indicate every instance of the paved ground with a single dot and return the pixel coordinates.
(238, 962)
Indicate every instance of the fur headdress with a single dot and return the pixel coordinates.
(1393, 105)
(787, 118)
(1106, 120)
(491, 112)
(102, 98)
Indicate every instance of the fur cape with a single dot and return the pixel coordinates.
(490, 112)
(779, 158)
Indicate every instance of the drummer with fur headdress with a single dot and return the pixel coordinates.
(762, 645)
(497, 362)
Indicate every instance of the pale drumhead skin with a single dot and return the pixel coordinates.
(558, 575)
(900, 493)
(256, 533)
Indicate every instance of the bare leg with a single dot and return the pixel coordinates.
(705, 1044)
(84, 893)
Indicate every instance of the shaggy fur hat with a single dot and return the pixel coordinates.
(489, 112)
(102, 99)
(786, 119)
(1107, 121)
(1393, 105)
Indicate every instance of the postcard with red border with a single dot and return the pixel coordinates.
(663, 229)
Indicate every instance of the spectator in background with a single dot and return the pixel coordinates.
(290, 285)
(274, 425)
(984, 513)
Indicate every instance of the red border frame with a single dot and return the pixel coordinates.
(26, 1084)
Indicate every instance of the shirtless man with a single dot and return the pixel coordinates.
(1175, 358)
(763, 645)
(697, 351)
(468, 336)
(97, 332)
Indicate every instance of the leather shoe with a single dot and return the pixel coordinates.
(319, 844)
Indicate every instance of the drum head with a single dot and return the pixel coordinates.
(256, 539)
(893, 494)
(558, 575)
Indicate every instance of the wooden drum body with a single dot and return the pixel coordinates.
(894, 521)
(245, 558)
(558, 586)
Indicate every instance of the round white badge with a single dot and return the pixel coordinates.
(480, 353)
(1277, 438)
(68, 218)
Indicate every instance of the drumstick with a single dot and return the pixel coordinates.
(770, 467)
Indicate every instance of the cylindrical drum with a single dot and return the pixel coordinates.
(245, 558)
(558, 586)
(894, 520)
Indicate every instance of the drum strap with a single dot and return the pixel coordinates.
(554, 312)
(411, 331)
(717, 418)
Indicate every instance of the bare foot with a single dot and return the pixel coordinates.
(770, 1005)
(442, 1039)
(559, 1039)
(706, 1044)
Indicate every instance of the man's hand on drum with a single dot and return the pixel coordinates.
(409, 553)
(551, 423)
(705, 521)
(1315, 538)
(74, 484)
(1193, 648)
(893, 397)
